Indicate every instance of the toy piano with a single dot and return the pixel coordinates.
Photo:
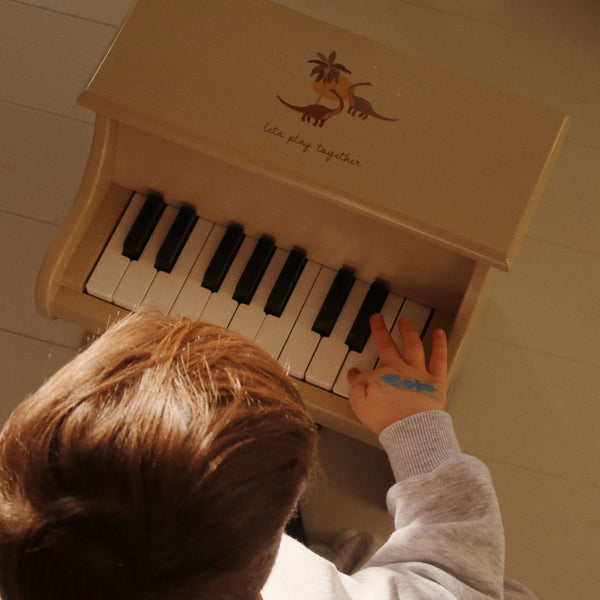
(271, 173)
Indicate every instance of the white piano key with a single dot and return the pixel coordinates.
(139, 274)
(366, 360)
(331, 351)
(274, 331)
(221, 306)
(249, 317)
(193, 297)
(165, 287)
(302, 341)
(112, 264)
(417, 313)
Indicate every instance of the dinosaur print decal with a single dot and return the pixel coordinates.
(319, 112)
(362, 106)
(330, 84)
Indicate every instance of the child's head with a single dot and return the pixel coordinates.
(163, 462)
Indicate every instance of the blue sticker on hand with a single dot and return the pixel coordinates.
(410, 384)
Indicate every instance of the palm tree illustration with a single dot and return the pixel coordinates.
(328, 74)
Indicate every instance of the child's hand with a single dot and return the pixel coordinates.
(400, 386)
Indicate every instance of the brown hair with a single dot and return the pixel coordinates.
(162, 462)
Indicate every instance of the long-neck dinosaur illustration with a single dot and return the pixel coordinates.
(361, 106)
(319, 112)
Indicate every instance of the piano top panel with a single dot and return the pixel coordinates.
(463, 164)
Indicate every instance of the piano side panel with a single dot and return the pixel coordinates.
(333, 235)
(90, 197)
(98, 231)
(466, 319)
(93, 314)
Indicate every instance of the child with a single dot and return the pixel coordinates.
(165, 461)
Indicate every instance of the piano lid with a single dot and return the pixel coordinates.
(449, 158)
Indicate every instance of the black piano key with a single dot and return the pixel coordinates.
(143, 226)
(426, 326)
(360, 330)
(254, 270)
(176, 239)
(223, 257)
(334, 301)
(286, 282)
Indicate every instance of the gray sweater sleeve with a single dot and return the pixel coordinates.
(448, 543)
(448, 525)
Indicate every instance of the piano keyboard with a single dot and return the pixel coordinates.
(313, 319)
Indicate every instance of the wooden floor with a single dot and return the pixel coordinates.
(528, 399)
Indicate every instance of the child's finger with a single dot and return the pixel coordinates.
(388, 352)
(438, 362)
(357, 397)
(356, 377)
(352, 376)
(414, 354)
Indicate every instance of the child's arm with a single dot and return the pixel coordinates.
(449, 533)
(449, 541)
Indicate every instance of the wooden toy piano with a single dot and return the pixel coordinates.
(257, 168)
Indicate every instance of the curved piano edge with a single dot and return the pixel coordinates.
(96, 181)
(92, 314)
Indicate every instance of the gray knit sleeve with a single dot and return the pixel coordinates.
(446, 514)
(420, 443)
(448, 542)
